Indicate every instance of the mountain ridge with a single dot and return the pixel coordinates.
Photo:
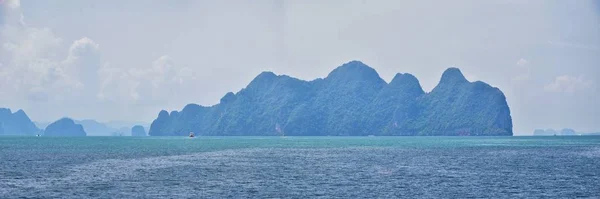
(352, 100)
(64, 127)
(17, 123)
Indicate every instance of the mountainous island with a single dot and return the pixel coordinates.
(64, 127)
(95, 128)
(138, 130)
(111, 128)
(353, 100)
(17, 123)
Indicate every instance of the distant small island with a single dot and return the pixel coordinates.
(64, 127)
(563, 132)
(18, 123)
(353, 100)
(138, 130)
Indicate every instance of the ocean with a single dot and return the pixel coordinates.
(300, 167)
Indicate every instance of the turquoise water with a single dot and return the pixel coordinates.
(299, 167)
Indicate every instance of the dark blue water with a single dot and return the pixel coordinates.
(300, 167)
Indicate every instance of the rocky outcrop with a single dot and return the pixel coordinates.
(17, 123)
(138, 130)
(64, 127)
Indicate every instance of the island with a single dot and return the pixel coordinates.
(353, 100)
(138, 130)
(17, 123)
(563, 132)
(64, 127)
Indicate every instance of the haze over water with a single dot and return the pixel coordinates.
(326, 167)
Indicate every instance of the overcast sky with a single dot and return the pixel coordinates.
(127, 60)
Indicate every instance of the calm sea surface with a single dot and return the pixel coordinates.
(300, 167)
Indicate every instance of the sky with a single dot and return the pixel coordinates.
(127, 60)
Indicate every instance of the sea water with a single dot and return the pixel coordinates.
(299, 167)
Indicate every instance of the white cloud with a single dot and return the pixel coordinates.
(28, 55)
(32, 68)
(522, 62)
(83, 47)
(116, 85)
(568, 84)
(84, 62)
(13, 3)
(523, 70)
(10, 11)
(24, 44)
(149, 84)
(163, 64)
